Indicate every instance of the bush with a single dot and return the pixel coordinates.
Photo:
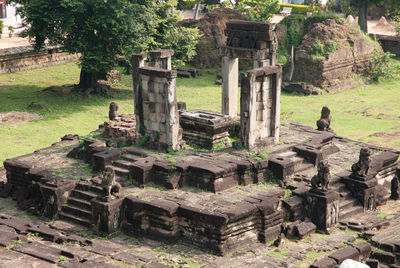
(186, 4)
(258, 10)
(319, 18)
(319, 48)
(183, 41)
(297, 9)
(347, 9)
(1, 26)
(381, 66)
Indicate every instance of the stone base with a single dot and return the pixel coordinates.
(106, 215)
(205, 141)
(122, 126)
(323, 209)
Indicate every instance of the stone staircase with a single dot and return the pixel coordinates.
(348, 205)
(121, 166)
(78, 208)
(284, 162)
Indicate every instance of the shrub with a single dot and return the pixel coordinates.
(258, 10)
(347, 8)
(186, 4)
(320, 18)
(319, 48)
(331, 47)
(293, 24)
(397, 21)
(381, 66)
(1, 26)
(183, 41)
(297, 9)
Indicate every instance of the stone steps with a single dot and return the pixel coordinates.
(122, 172)
(130, 157)
(122, 164)
(87, 196)
(79, 208)
(89, 188)
(346, 203)
(79, 203)
(74, 219)
(302, 167)
(351, 211)
(139, 151)
(77, 211)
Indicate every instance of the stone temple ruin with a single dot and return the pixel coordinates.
(215, 199)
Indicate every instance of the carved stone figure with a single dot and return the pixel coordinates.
(395, 189)
(322, 179)
(360, 169)
(109, 184)
(113, 113)
(324, 122)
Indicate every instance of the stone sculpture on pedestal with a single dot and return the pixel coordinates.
(113, 113)
(322, 179)
(324, 122)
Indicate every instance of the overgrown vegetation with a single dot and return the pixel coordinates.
(258, 10)
(382, 66)
(102, 30)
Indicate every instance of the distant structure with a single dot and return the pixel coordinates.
(9, 17)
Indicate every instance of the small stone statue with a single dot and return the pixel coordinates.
(360, 169)
(280, 240)
(113, 113)
(322, 179)
(324, 122)
(109, 184)
(395, 189)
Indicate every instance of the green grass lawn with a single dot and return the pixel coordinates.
(357, 113)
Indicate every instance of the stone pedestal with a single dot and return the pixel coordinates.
(162, 58)
(323, 209)
(54, 195)
(230, 88)
(205, 129)
(106, 215)
(363, 188)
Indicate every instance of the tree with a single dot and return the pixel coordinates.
(258, 10)
(97, 29)
(363, 5)
(100, 30)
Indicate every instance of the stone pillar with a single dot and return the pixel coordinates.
(230, 88)
(261, 63)
(162, 58)
(275, 125)
(137, 62)
(160, 117)
(323, 208)
(107, 215)
(260, 106)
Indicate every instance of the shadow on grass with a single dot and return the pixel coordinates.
(33, 99)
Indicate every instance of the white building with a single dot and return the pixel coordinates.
(9, 18)
(300, 2)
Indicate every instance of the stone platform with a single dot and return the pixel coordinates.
(218, 201)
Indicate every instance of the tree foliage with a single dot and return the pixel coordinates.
(100, 30)
(258, 10)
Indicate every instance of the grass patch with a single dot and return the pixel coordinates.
(359, 113)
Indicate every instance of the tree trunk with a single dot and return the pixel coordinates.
(291, 63)
(362, 15)
(196, 9)
(89, 79)
(88, 84)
